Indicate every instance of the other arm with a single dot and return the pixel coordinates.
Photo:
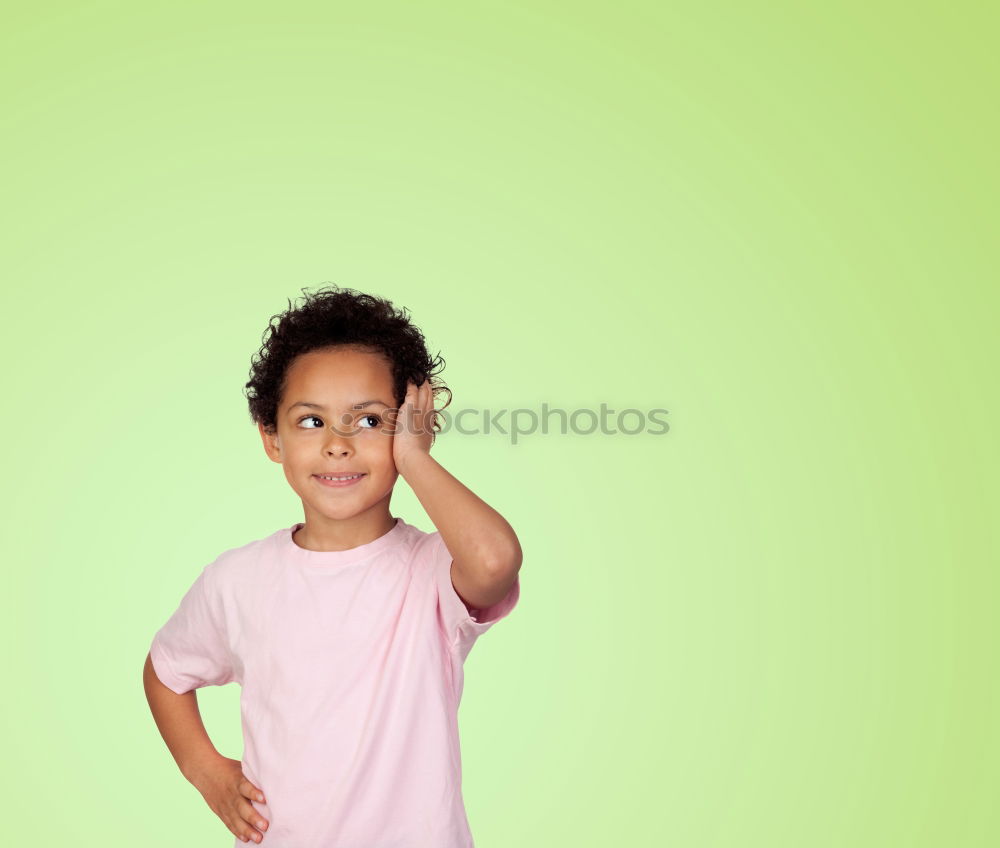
(179, 722)
(220, 780)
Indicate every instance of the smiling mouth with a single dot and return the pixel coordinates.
(337, 480)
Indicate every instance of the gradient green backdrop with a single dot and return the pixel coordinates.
(773, 626)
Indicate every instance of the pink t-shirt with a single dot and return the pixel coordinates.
(351, 664)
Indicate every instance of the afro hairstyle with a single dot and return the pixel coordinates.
(331, 317)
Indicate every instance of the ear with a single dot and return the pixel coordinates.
(272, 443)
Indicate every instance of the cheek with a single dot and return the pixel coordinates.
(378, 448)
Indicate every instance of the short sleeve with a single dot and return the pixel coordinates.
(191, 650)
(462, 626)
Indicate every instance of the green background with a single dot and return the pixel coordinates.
(773, 626)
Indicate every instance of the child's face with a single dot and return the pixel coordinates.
(333, 437)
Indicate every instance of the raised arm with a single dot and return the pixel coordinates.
(486, 551)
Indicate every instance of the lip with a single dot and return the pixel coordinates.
(340, 484)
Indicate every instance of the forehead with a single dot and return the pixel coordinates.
(342, 374)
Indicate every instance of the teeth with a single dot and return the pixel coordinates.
(352, 477)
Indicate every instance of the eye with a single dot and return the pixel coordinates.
(313, 418)
(373, 417)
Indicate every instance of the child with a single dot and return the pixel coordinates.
(348, 631)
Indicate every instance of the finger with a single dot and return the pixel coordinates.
(427, 402)
(252, 817)
(411, 408)
(244, 830)
(239, 828)
(248, 790)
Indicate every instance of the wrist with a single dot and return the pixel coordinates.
(195, 769)
(411, 462)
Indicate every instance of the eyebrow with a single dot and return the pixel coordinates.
(322, 408)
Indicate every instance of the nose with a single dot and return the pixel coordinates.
(339, 442)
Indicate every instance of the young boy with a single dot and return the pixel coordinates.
(348, 631)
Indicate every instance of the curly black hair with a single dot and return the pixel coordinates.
(335, 316)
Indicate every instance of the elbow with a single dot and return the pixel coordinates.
(508, 561)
